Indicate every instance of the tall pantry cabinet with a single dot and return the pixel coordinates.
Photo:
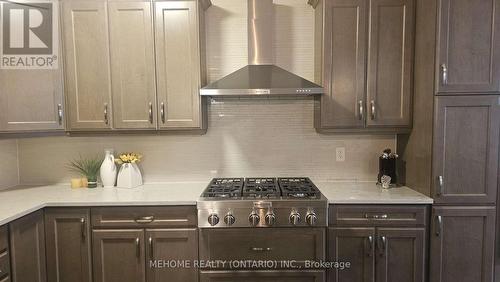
(133, 65)
(452, 154)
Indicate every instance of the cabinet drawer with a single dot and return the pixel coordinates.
(176, 216)
(4, 239)
(378, 215)
(293, 244)
(4, 265)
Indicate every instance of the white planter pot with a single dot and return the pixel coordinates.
(129, 176)
(108, 170)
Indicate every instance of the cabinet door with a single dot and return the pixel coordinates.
(87, 75)
(468, 57)
(27, 248)
(354, 245)
(390, 63)
(178, 64)
(118, 255)
(263, 276)
(400, 254)
(345, 29)
(172, 245)
(462, 244)
(67, 233)
(465, 150)
(31, 100)
(132, 64)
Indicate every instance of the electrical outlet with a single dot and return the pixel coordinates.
(340, 154)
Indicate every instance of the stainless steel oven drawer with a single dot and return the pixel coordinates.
(144, 217)
(263, 276)
(262, 244)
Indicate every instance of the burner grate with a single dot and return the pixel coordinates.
(224, 188)
(298, 188)
(261, 187)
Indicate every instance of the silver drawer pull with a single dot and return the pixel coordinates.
(257, 249)
(150, 112)
(373, 113)
(162, 112)
(145, 219)
(83, 227)
(439, 192)
(376, 216)
(360, 109)
(370, 241)
(138, 247)
(106, 119)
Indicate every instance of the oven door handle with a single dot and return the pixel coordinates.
(258, 249)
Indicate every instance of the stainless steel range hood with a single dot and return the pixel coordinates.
(261, 77)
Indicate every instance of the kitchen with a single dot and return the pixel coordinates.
(249, 136)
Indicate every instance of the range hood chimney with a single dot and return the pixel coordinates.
(260, 76)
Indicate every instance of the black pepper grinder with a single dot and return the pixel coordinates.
(387, 166)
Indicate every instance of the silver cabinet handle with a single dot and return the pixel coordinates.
(439, 191)
(370, 250)
(258, 249)
(138, 247)
(162, 112)
(383, 245)
(360, 109)
(106, 119)
(373, 114)
(82, 227)
(376, 216)
(151, 248)
(439, 227)
(444, 74)
(150, 112)
(59, 114)
(145, 219)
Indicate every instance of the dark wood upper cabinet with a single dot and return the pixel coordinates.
(367, 65)
(171, 244)
(118, 255)
(27, 248)
(67, 232)
(357, 246)
(400, 255)
(345, 37)
(462, 244)
(468, 47)
(465, 156)
(390, 63)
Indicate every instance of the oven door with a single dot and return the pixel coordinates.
(262, 248)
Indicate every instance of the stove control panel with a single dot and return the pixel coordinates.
(252, 214)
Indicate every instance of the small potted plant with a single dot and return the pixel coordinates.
(129, 175)
(87, 167)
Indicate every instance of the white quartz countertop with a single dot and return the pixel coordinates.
(19, 201)
(369, 193)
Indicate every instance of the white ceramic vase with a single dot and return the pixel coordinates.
(129, 176)
(108, 170)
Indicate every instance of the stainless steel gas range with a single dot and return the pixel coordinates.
(262, 202)
(261, 228)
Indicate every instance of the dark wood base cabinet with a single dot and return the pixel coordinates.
(263, 276)
(27, 248)
(378, 254)
(4, 255)
(67, 237)
(462, 244)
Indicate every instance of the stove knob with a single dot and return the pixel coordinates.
(213, 219)
(229, 219)
(270, 219)
(295, 218)
(254, 219)
(311, 219)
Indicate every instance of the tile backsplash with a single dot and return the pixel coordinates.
(9, 174)
(246, 137)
